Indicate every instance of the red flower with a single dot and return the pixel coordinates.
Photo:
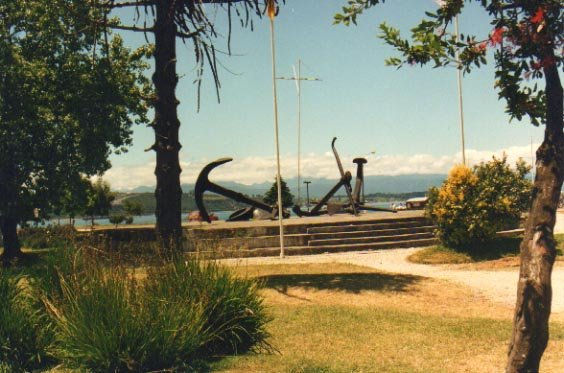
(480, 48)
(538, 17)
(497, 36)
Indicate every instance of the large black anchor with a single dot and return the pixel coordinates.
(355, 204)
(203, 184)
(344, 181)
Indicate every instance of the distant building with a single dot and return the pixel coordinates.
(416, 203)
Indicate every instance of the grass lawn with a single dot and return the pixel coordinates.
(503, 252)
(345, 318)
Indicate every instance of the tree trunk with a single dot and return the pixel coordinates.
(538, 251)
(166, 125)
(9, 209)
(12, 248)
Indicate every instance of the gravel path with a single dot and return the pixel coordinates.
(499, 286)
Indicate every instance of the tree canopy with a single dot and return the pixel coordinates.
(68, 99)
(99, 200)
(271, 196)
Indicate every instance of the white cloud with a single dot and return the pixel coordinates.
(250, 170)
(440, 3)
(129, 177)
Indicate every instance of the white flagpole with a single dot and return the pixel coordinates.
(298, 81)
(280, 209)
(297, 78)
(459, 80)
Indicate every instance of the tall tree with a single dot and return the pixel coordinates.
(527, 38)
(64, 104)
(132, 207)
(271, 196)
(99, 199)
(74, 198)
(169, 20)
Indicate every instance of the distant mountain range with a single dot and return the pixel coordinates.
(319, 187)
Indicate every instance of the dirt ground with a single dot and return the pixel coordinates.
(497, 285)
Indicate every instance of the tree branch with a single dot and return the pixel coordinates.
(152, 147)
(112, 5)
(190, 35)
(131, 28)
(510, 6)
(220, 1)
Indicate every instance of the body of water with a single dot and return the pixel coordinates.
(151, 219)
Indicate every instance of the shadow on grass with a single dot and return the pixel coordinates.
(26, 260)
(499, 248)
(505, 246)
(347, 282)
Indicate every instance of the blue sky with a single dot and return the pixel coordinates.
(408, 117)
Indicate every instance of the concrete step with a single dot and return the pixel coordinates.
(369, 226)
(247, 243)
(293, 226)
(305, 250)
(368, 221)
(372, 233)
(370, 240)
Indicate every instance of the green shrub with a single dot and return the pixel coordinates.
(24, 332)
(47, 237)
(473, 204)
(235, 315)
(182, 312)
(107, 323)
(83, 309)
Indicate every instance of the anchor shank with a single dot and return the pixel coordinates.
(348, 187)
(239, 197)
(344, 180)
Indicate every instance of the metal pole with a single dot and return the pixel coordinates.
(280, 209)
(299, 132)
(298, 79)
(459, 79)
(307, 192)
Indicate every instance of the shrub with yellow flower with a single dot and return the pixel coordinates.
(473, 204)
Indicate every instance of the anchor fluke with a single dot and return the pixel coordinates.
(203, 184)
